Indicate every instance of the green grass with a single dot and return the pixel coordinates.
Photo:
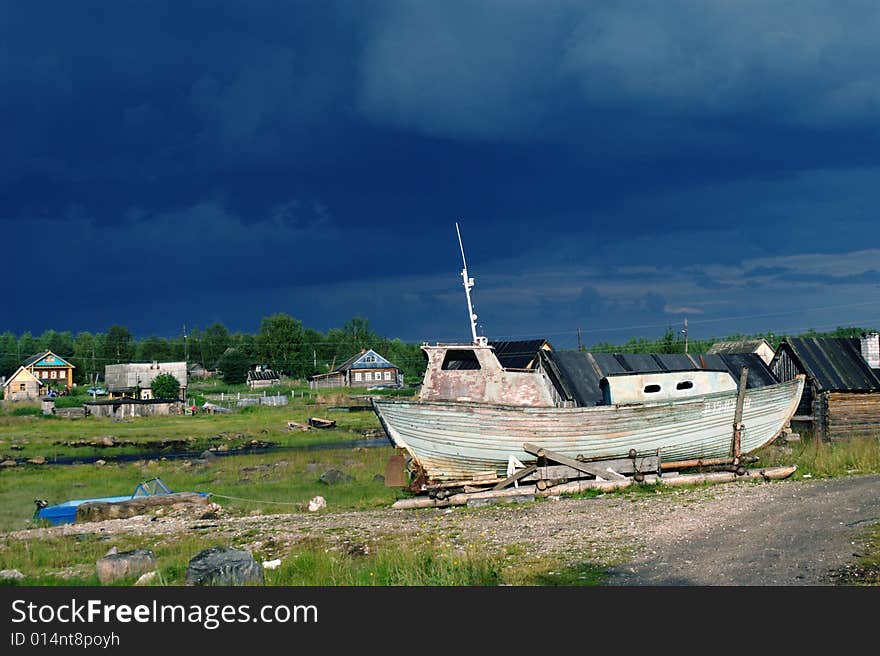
(819, 459)
(270, 483)
(37, 435)
(391, 561)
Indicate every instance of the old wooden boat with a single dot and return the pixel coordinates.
(475, 416)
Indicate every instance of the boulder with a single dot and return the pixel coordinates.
(37, 460)
(224, 566)
(317, 503)
(333, 476)
(120, 565)
(8, 463)
(147, 578)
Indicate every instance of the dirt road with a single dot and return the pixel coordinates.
(799, 535)
(781, 533)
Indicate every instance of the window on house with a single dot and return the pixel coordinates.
(369, 358)
(44, 374)
(62, 374)
(21, 387)
(368, 375)
(357, 375)
(387, 375)
(54, 375)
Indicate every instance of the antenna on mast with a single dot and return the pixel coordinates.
(468, 284)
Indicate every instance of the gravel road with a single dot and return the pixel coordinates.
(779, 533)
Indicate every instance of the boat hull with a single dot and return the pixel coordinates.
(456, 440)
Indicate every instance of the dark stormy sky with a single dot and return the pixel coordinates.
(614, 166)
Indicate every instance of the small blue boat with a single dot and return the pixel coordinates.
(65, 513)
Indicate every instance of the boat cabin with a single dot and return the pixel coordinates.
(631, 387)
(472, 372)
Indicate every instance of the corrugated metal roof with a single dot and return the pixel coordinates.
(577, 374)
(737, 346)
(833, 363)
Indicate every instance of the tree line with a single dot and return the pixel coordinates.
(282, 344)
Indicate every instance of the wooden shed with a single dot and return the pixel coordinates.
(842, 393)
(760, 347)
(22, 386)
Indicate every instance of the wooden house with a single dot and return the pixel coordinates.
(53, 371)
(261, 376)
(759, 346)
(364, 369)
(22, 386)
(134, 380)
(842, 393)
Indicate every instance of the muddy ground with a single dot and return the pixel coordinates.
(783, 533)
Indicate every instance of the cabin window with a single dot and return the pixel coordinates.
(54, 375)
(357, 375)
(369, 358)
(368, 375)
(21, 387)
(457, 359)
(62, 374)
(684, 385)
(44, 374)
(652, 389)
(387, 375)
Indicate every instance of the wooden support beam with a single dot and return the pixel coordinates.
(516, 476)
(592, 468)
(737, 415)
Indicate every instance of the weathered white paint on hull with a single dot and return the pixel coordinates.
(454, 440)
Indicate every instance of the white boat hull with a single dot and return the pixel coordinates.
(455, 440)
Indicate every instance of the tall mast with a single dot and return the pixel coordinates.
(468, 284)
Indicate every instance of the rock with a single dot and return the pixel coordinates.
(127, 563)
(8, 463)
(108, 440)
(111, 551)
(333, 476)
(100, 463)
(317, 503)
(223, 447)
(37, 460)
(378, 478)
(147, 578)
(223, 566)
(272, 564)
(10, 575)
(208, 455)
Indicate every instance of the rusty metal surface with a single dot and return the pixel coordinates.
(488, 384)
(451, 440)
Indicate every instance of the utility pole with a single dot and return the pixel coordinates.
(185, 354)
(685, 333)
(580, 345)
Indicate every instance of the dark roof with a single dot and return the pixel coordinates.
(517, 355)
(832, 363)
(577, 374)
(738, 346)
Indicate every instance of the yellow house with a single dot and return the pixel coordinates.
(50, 369)
(22, 386)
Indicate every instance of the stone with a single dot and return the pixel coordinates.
(208, 455)
(378, 478)
(124, 564)
(316, 503)
(37, 460)
(224, 566)
(147, 578)
(333, 476)
(10, 575)
(108, 440)
(8, 463)
(100, 463)
(272, 564)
